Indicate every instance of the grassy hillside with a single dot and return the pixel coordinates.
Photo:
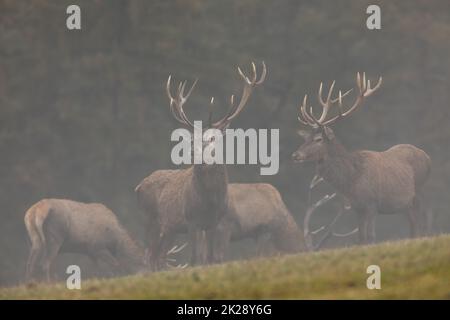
(410, 269)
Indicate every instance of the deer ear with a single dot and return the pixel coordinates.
(329, 134)
(303, 133)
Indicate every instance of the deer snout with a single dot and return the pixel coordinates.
(298, 156)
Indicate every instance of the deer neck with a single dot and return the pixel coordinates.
(339, 167)
(211, 178)
(211, 185)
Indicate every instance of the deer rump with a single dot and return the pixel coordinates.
(254, 210)
(393, 178)
(64, 226)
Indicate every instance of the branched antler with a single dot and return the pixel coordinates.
(170, 260)
(306, 114)
(177, 102)
(328, 229)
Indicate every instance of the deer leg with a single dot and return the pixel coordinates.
(166, 243)
(413, 219)
(53, 247)
(35, 254)
(202, 247)
(193, 243)
(363, 223)
(153, 241)
(153, 254)
(371, 228)
(422, 215)
(263, 243)
(198, 249)
(223, 238)
(216, 241)
(209, 245)
(222, 241)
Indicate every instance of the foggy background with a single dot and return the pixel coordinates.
(84, 114)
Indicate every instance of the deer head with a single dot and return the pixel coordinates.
(320, 135)
(177, 103)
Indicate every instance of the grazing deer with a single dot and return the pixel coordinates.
(372, 182)
(197, 194)
(56, 226)
(257, 210)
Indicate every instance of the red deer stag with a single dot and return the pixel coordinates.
(372, 182)
(63, 226)
(197, 195)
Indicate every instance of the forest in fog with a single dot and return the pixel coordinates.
(84, 114)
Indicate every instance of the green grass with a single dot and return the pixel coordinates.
(410, 269)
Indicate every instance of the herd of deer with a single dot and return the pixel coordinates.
(201, 202)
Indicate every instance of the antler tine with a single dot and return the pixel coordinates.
(364, 82)
(329, 232)
(341, 95)
(308, 117)
(172, 102)
(365, 91)
(181, 86)
(317, 230)
(210, 111)
(315, 181)
(169, 94)
(176, 249)
(176, 104)
(311, 209)
(301, 117)
(172, 250)
(254, 72)
(325, 104)
(180, 248)
(370, 90)
(247, 90)
(191, 89)
(243, 76)
(178, 266)
(263, 74)
(342, 235)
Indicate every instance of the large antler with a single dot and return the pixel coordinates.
(177, 102)
(328, 228)
(307, 117)
(249, 84)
